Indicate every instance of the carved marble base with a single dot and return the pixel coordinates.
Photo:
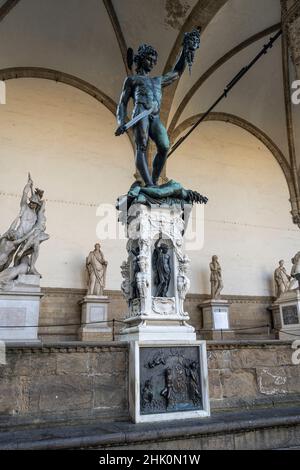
(19, 310)
(94, 319)
(150, 316)
(286, 315)
(160, 332)
(168, 381)
(216, 320)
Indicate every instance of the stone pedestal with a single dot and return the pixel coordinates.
(286, 315)
(216, 320)
(19, 310)
(149, 317)
(94, 325)
(167, 367)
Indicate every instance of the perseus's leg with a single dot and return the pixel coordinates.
(159, 134)
(141, 134)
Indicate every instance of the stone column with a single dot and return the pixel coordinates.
(291, 21)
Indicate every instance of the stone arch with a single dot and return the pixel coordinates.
(252, 129)
(62, 77)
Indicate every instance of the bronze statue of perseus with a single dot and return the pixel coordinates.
(146, 93)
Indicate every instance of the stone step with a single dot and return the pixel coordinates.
(260, 429)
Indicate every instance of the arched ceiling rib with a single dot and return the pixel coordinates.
(214, 67)
(201, 15)
(6, 7)
(49, 74)
(118, 31)
(258, 97)
(258, 133)
(73, 36)
(88, 41)
(155, 22)
(234, 23)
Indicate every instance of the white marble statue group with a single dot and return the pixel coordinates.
(285, 282)
(19, 245)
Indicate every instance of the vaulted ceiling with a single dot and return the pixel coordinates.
(84, 43)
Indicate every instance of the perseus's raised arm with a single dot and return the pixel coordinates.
(124, 98)
(177, 71)
(191, 42)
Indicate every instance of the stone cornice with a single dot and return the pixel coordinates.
(67, 347)
(58, 291)
(94, 347)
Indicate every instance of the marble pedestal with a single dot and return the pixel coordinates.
(19, 310)
(152, 318)
(167, 366)
(286, 315)
(216, 320)
(94, 327)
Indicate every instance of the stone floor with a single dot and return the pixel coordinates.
(276, 428)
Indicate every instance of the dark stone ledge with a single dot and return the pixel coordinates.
(104, 435)
(81, 346)
(67, 346)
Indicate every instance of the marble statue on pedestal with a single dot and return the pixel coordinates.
(216, 281)
(94, 306)
(286, 308)
(26, 233)
(20, 291)
(216, 311)
(96, 268)
(295, 273)
(282, 279)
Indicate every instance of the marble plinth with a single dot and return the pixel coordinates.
(216, 319)
(94, 311)
(19, 310)
(286, 315)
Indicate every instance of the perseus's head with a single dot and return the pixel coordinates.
(145, 59)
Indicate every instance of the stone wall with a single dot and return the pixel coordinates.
(83, 381)
(60, 313)
(64, 382)
(253, 373)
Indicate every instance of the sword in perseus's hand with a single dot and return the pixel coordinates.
(132, 122)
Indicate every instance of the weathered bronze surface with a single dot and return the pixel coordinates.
(170, 379)
(290, 315)
(146, 93)
(162, 268)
